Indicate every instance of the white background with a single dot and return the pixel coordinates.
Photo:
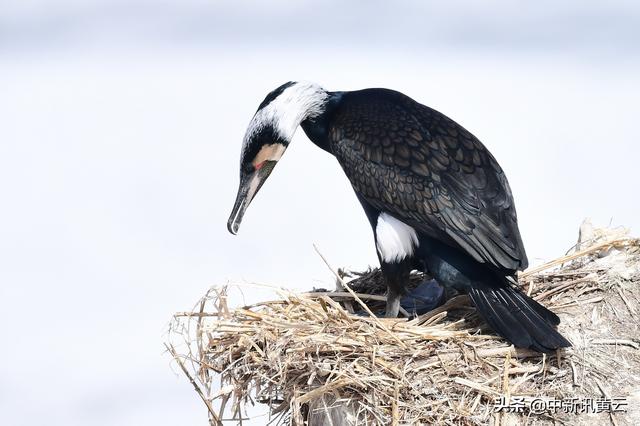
(120, 131)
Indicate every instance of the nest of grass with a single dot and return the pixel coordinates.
(315, 359)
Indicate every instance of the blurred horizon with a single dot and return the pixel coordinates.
(580, 29)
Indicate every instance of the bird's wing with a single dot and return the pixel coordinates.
(423, 168)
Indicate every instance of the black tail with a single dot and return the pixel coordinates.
(516, 317)
(511, 314)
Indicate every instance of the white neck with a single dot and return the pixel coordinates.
(295, 104)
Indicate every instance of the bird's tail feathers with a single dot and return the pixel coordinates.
(518, 318)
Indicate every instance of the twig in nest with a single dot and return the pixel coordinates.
(175, 356)
(355, 296)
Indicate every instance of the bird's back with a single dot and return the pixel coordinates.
(417, 164)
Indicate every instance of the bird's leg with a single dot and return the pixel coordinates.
(397, 276)
(393, 303)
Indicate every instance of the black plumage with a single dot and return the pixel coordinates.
(425, 169)
(413, 163)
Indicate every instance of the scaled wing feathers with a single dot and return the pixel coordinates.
(420, 166)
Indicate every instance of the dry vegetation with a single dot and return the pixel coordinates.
(313, 357)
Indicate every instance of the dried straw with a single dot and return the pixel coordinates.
(309, 358)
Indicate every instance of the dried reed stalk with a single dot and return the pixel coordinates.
(444, 367)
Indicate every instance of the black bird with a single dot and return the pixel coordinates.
(436, 198)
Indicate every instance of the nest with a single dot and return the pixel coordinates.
(323, 358)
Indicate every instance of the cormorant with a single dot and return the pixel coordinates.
(436, 198)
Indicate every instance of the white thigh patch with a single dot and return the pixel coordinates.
(395, 240)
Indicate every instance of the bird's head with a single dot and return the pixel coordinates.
(269, 133)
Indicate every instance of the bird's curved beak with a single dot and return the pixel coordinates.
(250, 184)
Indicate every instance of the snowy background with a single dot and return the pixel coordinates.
(120, 130)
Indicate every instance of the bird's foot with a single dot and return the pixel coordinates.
(393, 305)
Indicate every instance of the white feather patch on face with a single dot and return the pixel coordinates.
(395, 240)
(296, 103)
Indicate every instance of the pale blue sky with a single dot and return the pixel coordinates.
(120, 132)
